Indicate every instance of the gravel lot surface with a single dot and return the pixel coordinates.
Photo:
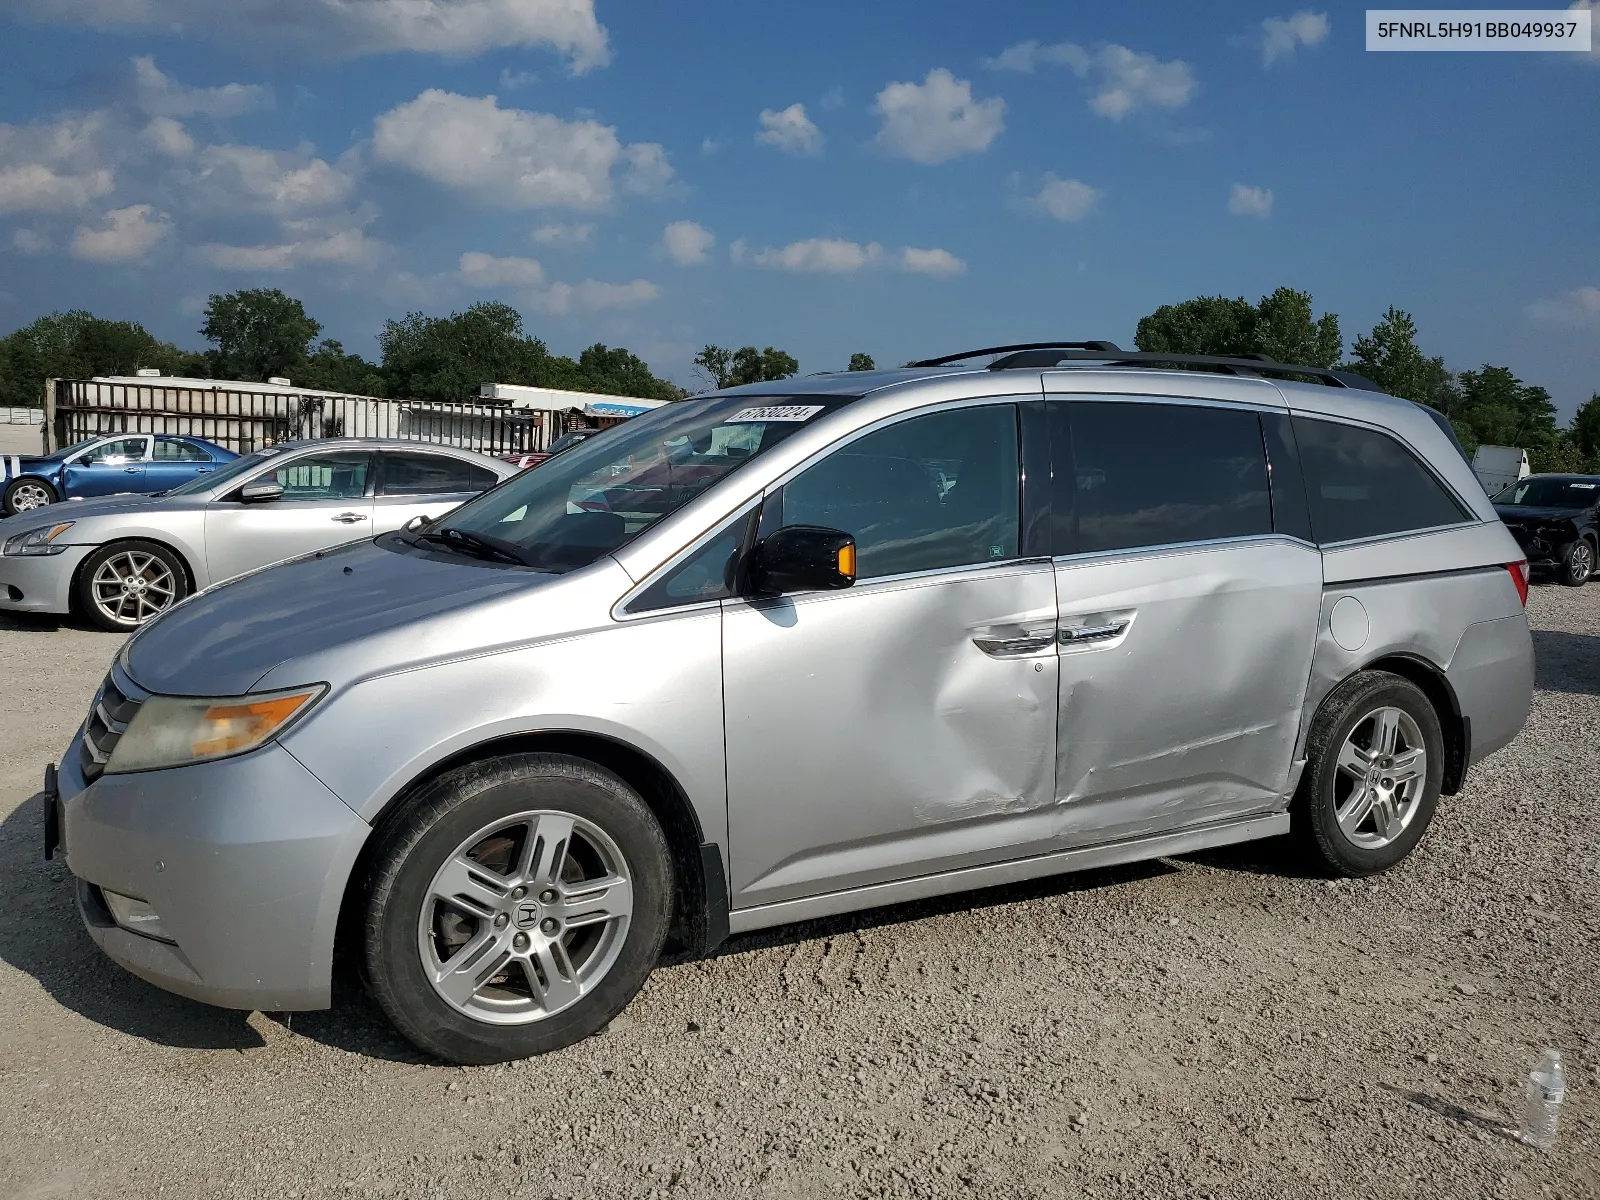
(1220, 1025)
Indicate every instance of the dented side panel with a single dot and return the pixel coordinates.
(871, 738)
(1191, 715)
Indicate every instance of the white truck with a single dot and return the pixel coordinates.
(1498, 467)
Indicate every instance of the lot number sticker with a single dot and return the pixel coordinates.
(776, 412)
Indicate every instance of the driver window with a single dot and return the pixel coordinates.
(322, 477)
(129, 449)
(941, 490)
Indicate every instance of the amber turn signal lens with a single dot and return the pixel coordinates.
(847, 561)
(229, 727)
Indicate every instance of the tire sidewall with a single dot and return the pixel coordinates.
(1569, 572)
(84, 587)
(11, 510)
(1346, 707)
(440, 819)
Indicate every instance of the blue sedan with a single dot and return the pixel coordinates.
(104, 466)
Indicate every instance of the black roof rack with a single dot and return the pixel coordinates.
(1040, 355)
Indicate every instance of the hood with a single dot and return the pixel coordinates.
(12, 465)
(102, 506)
(223, 641)
(1529, 512)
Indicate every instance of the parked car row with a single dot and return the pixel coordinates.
(1556, 521)
(104, 466)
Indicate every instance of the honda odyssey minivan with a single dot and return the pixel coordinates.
(791, 650)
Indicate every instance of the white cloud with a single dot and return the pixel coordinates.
(513, 158)
(126, 234)
(827, 256)
(592, 295)
(352, 28)
(1580, 307)
(1250, 201)
(1026, 56)
(31, 241)
(1280, 36)
(790, 130)
(275, 181)
(709, 146)
(563, 235)
(1064, 199)
(933, 261)
(169, 137)
(485, 270)
(833, 98)
(686, 242)
(161, 95)
(346, 247)
(937, 120)
(52, 166)
(511, 81)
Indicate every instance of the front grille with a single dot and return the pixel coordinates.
(115, 705)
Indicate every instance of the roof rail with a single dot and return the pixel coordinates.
(1042, 355)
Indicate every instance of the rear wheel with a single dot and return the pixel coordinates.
(1375, 760)
(1577, 563)
(516, 906)
(126, 584)
(26, 494)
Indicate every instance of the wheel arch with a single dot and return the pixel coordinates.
(183, 561)
(700, 917)
(53, 485)
(1435, 685)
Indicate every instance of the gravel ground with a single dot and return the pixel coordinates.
(1219, 1025)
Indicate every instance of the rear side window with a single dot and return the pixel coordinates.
(1362, 483)
(432, 474)
(1159, 474)
(172, 450)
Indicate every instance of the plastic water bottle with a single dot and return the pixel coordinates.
(1547, 1088)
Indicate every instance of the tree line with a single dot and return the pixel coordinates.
(258, 333)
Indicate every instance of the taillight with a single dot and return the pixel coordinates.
(1519, 576)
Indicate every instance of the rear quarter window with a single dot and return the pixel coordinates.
(1362, 483)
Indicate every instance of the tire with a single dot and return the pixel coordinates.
(153, 579)
(1395, 818)
(1577, 563)
(26, 494)
(515, 979)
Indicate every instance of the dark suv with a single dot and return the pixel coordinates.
(1556, 521)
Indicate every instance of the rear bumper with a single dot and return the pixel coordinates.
(245, 859)
(43, 581)
(1491, 674)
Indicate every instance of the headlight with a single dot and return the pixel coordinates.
(171, 731)
(38, 541)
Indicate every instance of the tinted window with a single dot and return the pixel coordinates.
(929, 492)
(432, 474)
(1552, 493)
(1362, 483)
(172, 450)
(323, 477)
(1157, 474)
(707, 574)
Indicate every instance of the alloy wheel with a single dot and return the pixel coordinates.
(28, 495)
(132, 586)
(1580, 562)
(525, 917)
(1383, 772)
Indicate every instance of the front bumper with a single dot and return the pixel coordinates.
(246, 860)
(43, 581)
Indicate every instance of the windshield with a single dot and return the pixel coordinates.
(605, 491)
(238, 467)
(1552, 493)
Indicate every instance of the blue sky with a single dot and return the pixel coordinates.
(953, 176)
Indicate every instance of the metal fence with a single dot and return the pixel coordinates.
(244, 420)
(22, 416)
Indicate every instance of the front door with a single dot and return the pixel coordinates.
(325, 502)
(1188, 617)
(904, 725)
(109, 468)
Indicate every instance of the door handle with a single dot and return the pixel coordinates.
(1075, 635)
(131, 470)
(349, 518)
(1013, 647)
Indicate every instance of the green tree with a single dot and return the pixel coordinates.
(1501, 410)
(79, 345)
(1389, 356)
(447, 358)
(862, 362)
(1585, 428)
(730, 368)
(258, 333)
(328, 368)
(1281, 326)
(620, 372)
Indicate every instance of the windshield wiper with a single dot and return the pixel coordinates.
(480, 544)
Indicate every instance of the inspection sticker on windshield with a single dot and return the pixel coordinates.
(776, 412)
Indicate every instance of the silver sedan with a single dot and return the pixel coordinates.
(123, 560)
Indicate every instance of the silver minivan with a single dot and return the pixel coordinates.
(792, 650)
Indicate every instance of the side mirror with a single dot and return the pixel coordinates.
(260, 493)
(803, 558)
(416, 523)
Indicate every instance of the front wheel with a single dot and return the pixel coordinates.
(126, 584)
(27, 494)
(1577, 563)
(1375, 760)
(514, 907)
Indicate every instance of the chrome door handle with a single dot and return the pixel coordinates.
(131, 470)
(1073, 635)
(349, 518)
(1012, 647)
